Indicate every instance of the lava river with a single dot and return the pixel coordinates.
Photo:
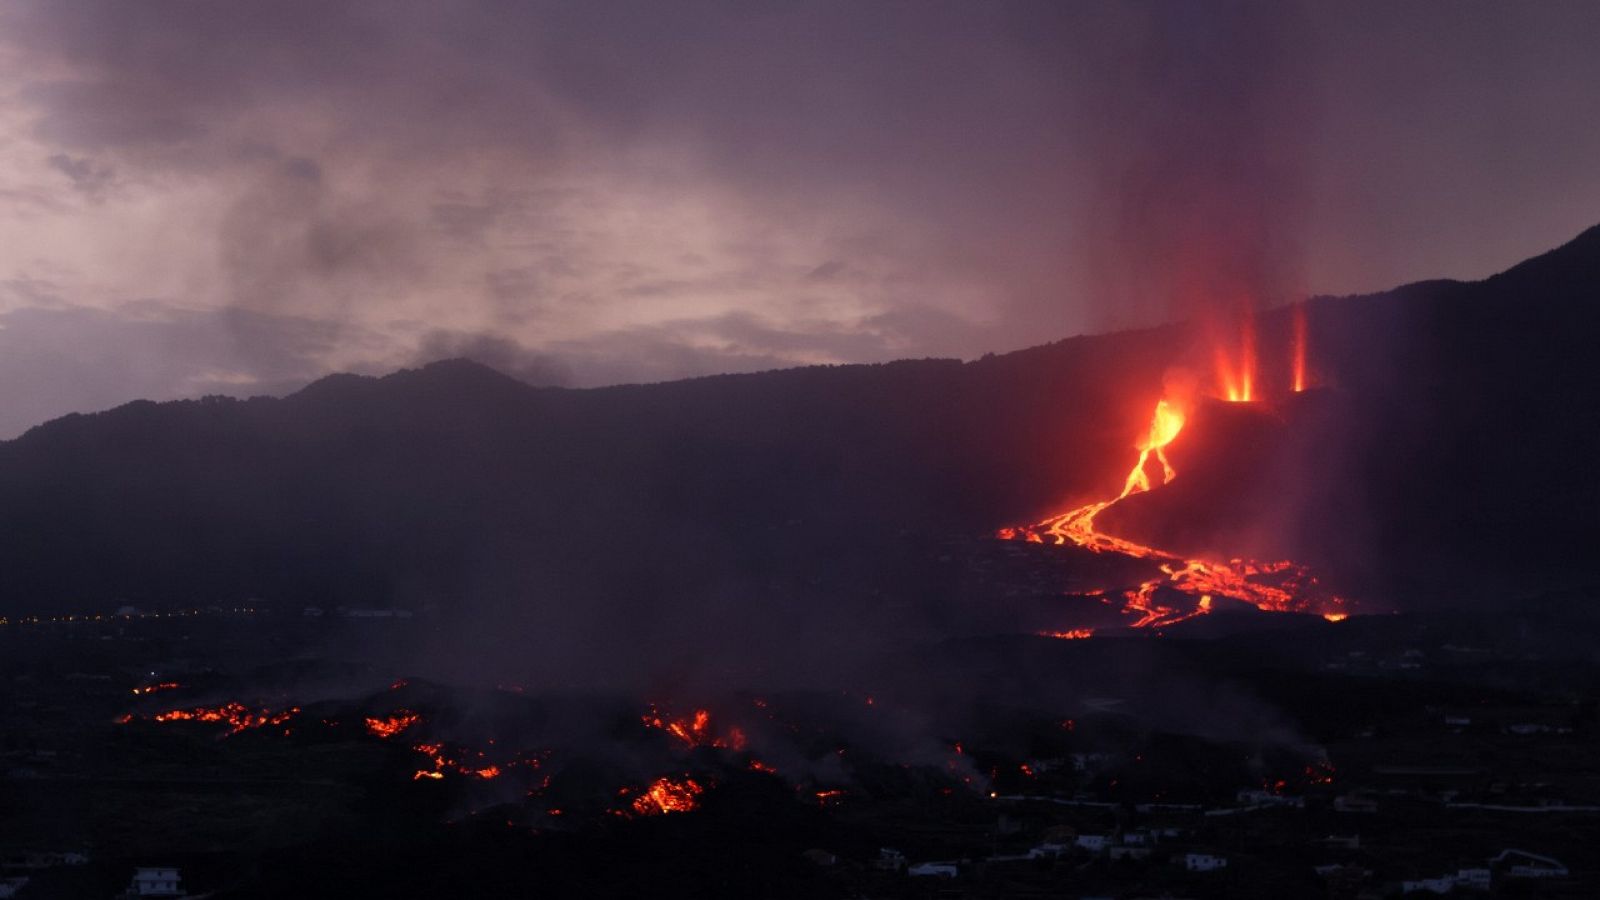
(1186, 587)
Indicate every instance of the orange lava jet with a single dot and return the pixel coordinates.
(668, 795)
(1236, 372)
(1272, 586)
(1299, 350)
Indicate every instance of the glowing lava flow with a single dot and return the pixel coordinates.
(1272, 586)
(236, 716)
(668, 795)
(694, 732)
(393, 724)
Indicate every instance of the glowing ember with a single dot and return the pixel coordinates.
(694, 731)
(435, 753)
(830, 797)
(447, 760)
(393, 724)
(1272, 586)
(1075, 634)
(152, 688)
(236, 716)
(668, 795)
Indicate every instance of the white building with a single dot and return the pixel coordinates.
(1204, 862)
(48, 859)
(155, 881)
(1529, 865)
(1355, 803)
(1083, 762)
(1465, 879)
(1259, 797)
(1094, 843)
(370, 613)
(932, 869)
(1048, 850)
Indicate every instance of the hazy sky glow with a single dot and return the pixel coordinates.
(217, 197)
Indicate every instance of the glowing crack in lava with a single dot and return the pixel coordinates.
(695, 731)
(668, 795)
(1272, 586)
(393, 724)
(153, 688)
(236, 716)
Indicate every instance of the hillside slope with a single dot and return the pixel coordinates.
(1458, 431)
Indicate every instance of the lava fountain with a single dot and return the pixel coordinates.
(1298, 372)
(1274, 586)
(1235, 362)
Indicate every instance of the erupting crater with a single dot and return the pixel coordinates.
(1187, 587)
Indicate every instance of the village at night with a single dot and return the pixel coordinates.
(876, 451)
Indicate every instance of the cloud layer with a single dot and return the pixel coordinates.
(198, 196)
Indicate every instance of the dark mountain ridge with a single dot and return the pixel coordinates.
(1458, 424)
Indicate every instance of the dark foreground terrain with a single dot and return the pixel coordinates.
(444, 634)
(1316, 758)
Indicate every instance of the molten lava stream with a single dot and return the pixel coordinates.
(1272, 586)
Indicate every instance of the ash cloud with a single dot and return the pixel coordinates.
(91, 179)
(403, 173)
(150, 349)
(496, 352)
(1202, 182)
(953, 179)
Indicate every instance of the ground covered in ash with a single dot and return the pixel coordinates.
(266, 756)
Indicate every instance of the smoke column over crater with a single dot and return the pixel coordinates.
(1200, 165)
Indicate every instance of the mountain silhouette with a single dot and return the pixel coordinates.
(1451, 443)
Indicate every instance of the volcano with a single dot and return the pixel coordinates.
(1240, 460)
(1442, 456)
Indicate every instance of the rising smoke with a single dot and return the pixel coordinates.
(1201, 166)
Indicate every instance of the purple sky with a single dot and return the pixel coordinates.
(216, 197)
